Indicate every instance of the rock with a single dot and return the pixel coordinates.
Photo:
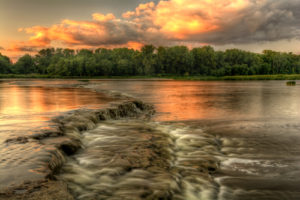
(46, 190)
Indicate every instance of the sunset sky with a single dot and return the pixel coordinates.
(29, 25)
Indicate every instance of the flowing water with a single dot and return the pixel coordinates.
(207, 140)
(26, 108)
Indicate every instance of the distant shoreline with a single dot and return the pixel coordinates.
(166, 77)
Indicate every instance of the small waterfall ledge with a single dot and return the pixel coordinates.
(61, 139)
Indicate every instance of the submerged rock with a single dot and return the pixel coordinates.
(45, 151)
(138, 159)
(45, 190)
(18, 140)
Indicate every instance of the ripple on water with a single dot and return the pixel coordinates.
(259, 160)
(24, 162)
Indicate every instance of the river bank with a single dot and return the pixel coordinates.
(162, 77)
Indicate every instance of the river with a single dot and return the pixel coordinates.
(207, 140)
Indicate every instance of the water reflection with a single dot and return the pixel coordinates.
(249, 128)
(25, 109)
(16, 100)
(27, 105)
(191, 100)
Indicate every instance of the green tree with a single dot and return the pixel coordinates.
(176, 60)
(5, 64)
(25, 65)
(204, 62)
(148, 59)
(180, 59)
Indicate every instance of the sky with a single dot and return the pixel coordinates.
(27, 26)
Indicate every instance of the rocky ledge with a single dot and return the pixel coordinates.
(57, 142)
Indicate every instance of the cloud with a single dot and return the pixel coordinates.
(168, 22)
(20, 48)
(259, 21)
(228, 21)
(1, 48)
(103, 18)
(14, 52)
(103, 30)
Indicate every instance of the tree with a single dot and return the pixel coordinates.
(180, 60)
(148, 59)
(25, 65)
(5, 64)
(204, 62)
(176, 60)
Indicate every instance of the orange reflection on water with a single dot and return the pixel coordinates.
(11, 106)
(16, 100)
(27, 105)
(182, 102)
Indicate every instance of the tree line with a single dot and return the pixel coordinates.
(152, 61)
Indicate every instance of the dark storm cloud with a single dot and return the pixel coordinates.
(272, 20)
(112, 33)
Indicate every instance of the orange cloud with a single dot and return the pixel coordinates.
(128, 14)
(103, 18)
(16, 50)
(175, 21)
(181, 18)
(21, 47)
(134, 45)
(103, 30)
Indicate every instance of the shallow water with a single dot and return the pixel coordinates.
(227, 140)
(24, 104)
(208, 140)
(143, 160)
(187, 160)
(26, 108)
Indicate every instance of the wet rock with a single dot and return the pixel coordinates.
(18, 140)
(56, 162)
(45, 190)
(45, 134)
(69, 147)
(64, 138)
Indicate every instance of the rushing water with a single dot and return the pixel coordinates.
(208, 140)
(26, 108)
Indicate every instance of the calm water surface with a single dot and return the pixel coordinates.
(250, 130)
(193, 100)
(28, 103)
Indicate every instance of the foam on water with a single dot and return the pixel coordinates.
(143, 160)
(255, 165)
(195, 156)
(126, 157)
(137, 159)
